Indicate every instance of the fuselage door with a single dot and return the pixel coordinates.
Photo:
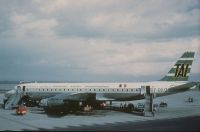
(24, 88)
(143, 90)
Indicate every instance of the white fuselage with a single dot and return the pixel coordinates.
(117, 91)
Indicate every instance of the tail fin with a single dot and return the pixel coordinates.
(182, 68)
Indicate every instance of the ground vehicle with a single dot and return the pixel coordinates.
(163, 104)
(155, 107)
(190, 99)
(88, 109)
(140, 107)
(21, 110)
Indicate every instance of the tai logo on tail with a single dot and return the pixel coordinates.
(182, 68)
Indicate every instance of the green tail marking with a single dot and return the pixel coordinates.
(181, 69)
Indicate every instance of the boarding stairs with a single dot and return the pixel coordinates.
(13, 100)
(148, 93)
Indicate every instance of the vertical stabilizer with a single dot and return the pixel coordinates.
(182, 68)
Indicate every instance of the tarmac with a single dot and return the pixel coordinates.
(179, 115)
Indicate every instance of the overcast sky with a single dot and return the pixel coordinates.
(96, 40)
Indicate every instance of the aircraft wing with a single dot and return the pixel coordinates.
(61, 99)
(72, 96)
(101, 97)
(81, 97)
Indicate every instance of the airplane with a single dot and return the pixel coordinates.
(70, 96)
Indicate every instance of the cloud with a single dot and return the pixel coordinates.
(126, 21)
(66, 40)
(97, 57)
(52, 5)
(140, 58)
(27, 25)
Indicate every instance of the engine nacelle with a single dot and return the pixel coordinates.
(51, 102)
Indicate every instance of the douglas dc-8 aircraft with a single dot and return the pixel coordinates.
(71, 95)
